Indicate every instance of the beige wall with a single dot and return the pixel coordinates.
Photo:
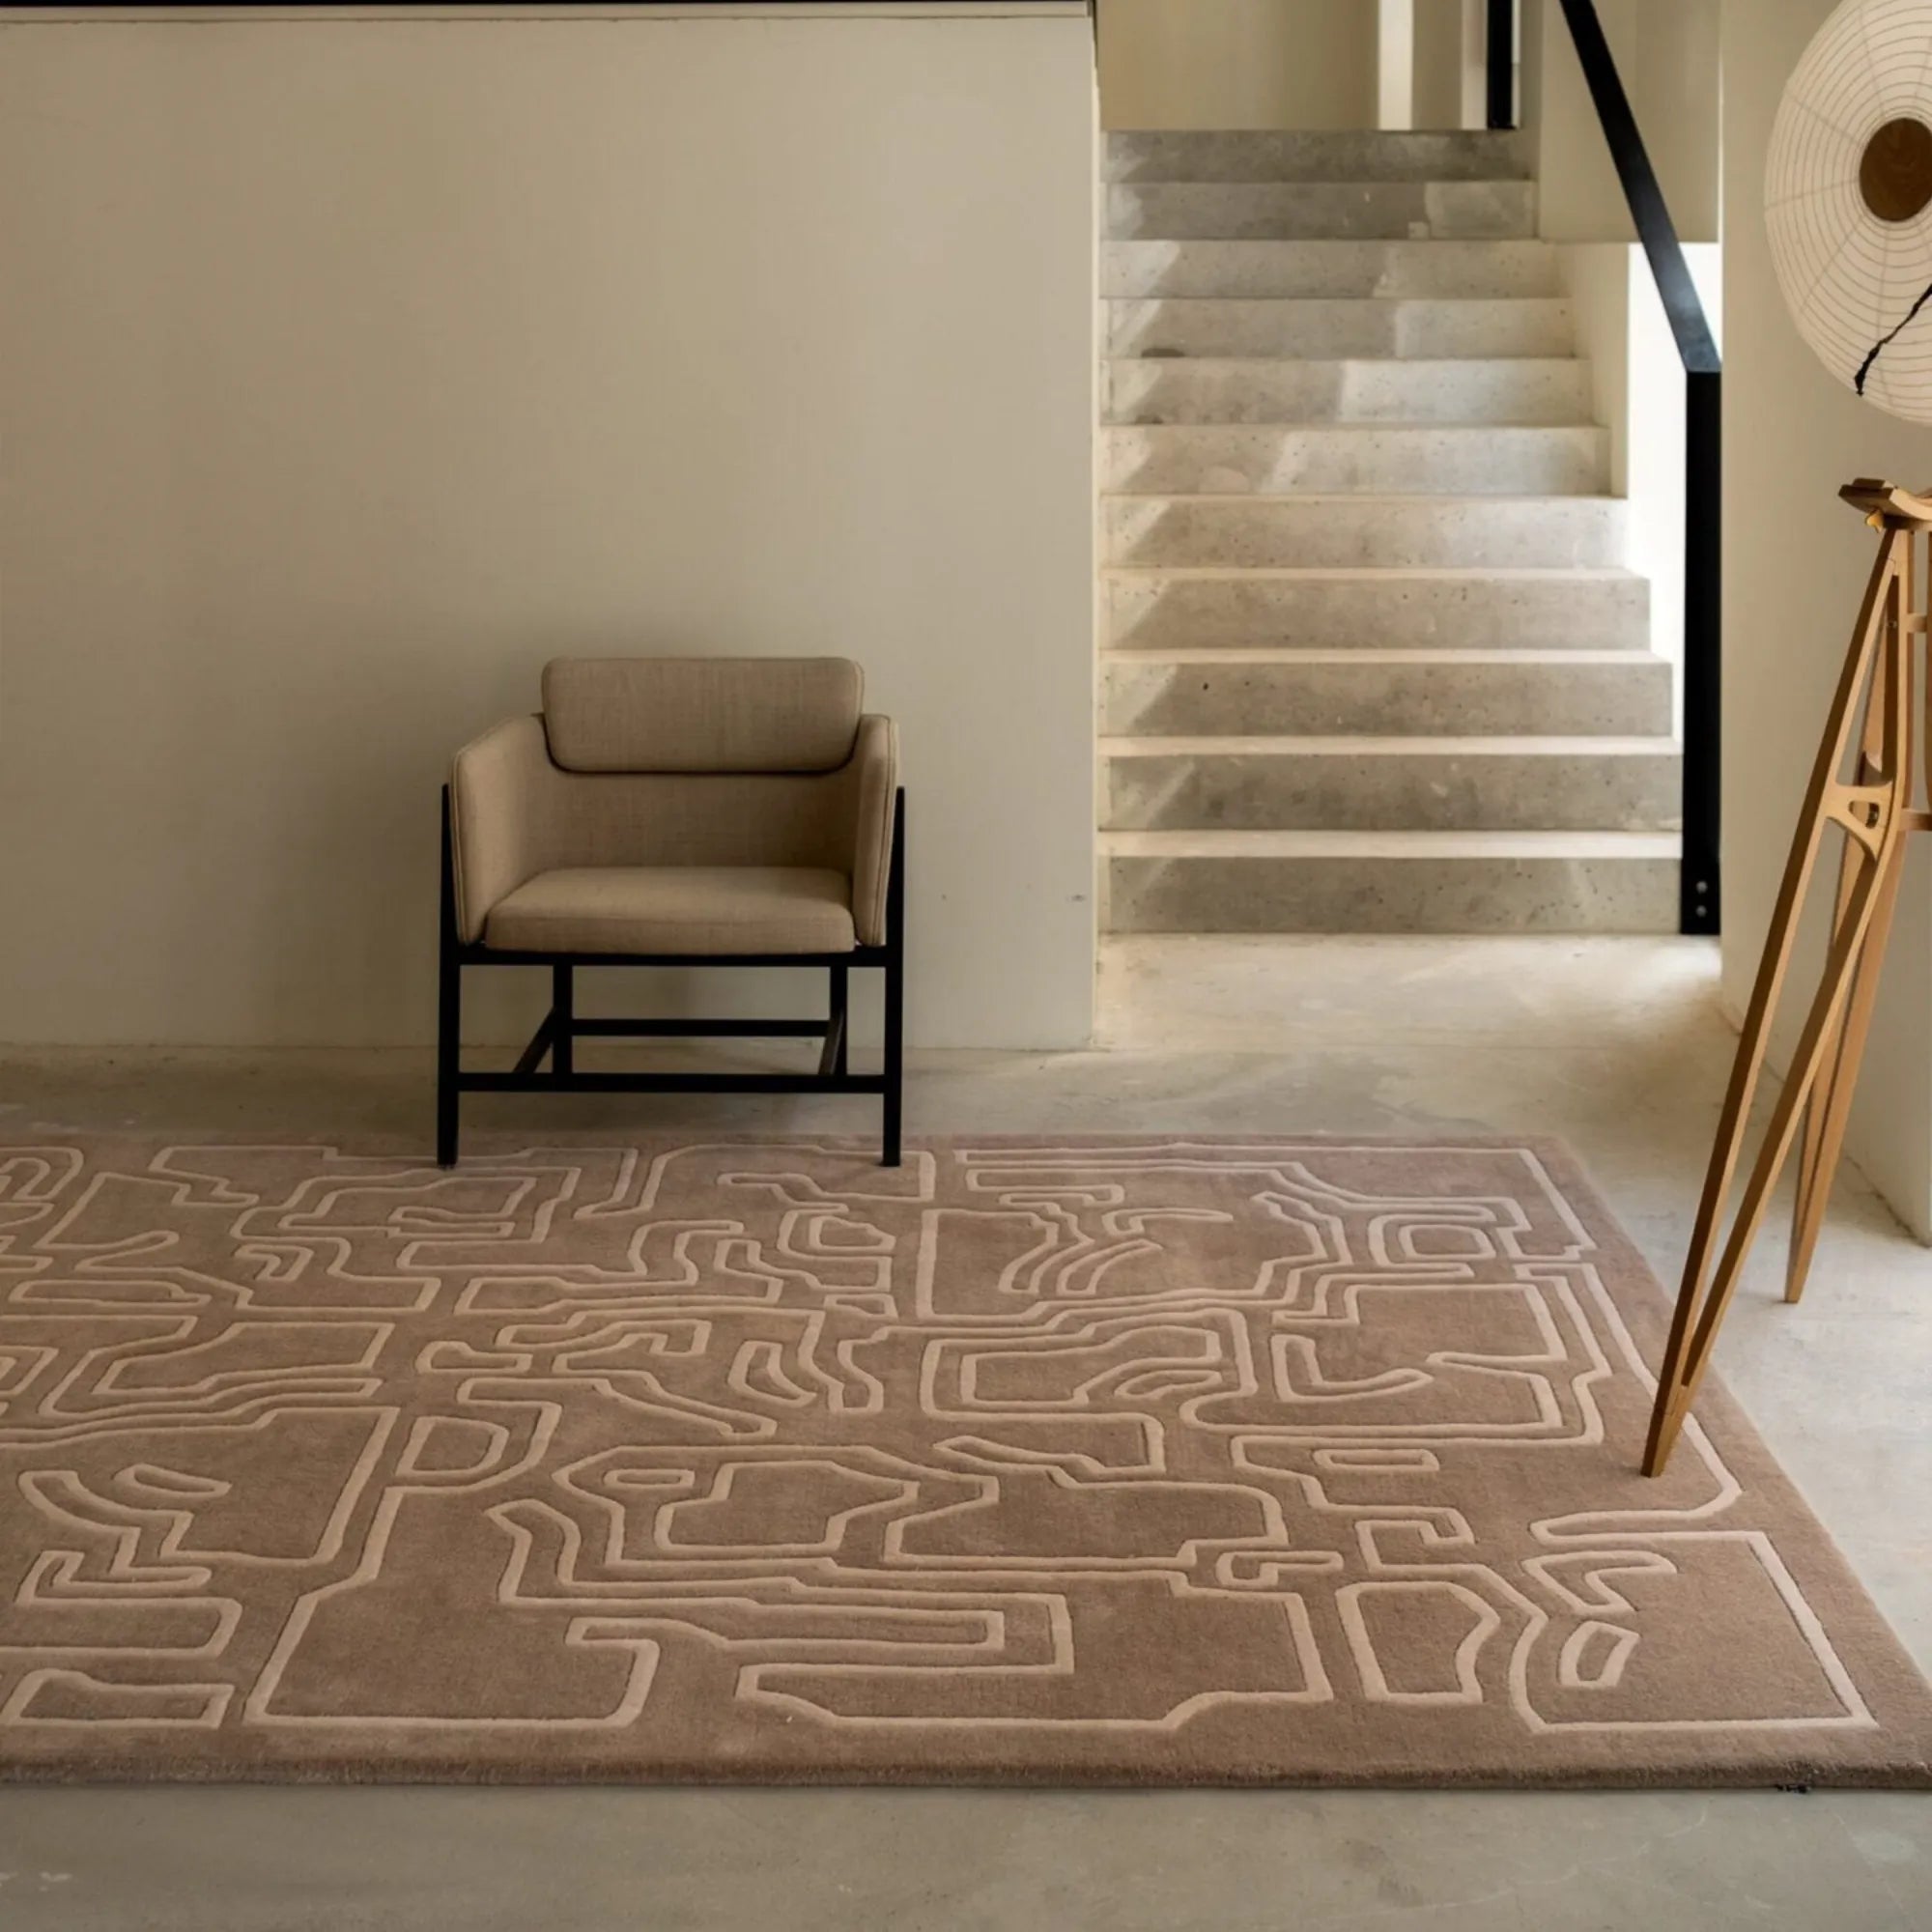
(1666, 51)
(1795, 565)
(1676, 89)
(349, 370)
(1438, 63)
(1237, 63)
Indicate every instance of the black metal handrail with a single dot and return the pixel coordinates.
(1699, 900)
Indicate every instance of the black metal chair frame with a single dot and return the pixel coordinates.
(554, 1039)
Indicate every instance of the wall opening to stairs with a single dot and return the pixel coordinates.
(1391, 460)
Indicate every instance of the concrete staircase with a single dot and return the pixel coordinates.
(1372, 663)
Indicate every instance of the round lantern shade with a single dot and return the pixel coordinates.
(1848, 201)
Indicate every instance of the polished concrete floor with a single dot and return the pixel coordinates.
(1617, 1047)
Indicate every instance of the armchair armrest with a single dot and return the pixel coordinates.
(498, 808)
(874, 778)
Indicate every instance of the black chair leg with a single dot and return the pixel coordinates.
(448, 1010)
(839, 1018)
(892, 1153)
(563, 1017)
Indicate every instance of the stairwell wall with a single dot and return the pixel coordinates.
(1639, 389)
(350, 368)
(1667, 54)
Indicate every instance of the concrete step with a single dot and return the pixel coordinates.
(1257, 390)
(1354, 269)
(1356, 210)
(1353, 156)
(1376, 609)
(1414, 694)
(1391, 784)
(1441, 328)
(1477, 460)
(1354, 532)
(1390, 881)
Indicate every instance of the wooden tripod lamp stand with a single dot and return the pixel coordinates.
(1868, 783)
(1848, 211)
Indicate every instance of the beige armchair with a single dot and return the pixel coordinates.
(738, 811)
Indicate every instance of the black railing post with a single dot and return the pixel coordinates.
(1500, 55)
(1701, 907)
(1701, 904)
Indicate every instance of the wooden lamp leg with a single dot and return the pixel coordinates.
(1829, 1111)
(1873, 813)
(1807, 1210)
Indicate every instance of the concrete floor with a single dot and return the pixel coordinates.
(1616, 1046)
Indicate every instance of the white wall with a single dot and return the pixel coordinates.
(1637, 377)
(1238, 63)
(1666, 51)
(349, 369)
(1795, 566)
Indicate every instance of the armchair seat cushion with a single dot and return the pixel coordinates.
(675, 909)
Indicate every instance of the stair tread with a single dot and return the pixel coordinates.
(1359, 498)
(1523, 241)
(1294, 183)
(1351, 301)
(1387, 744)
(1155, 327)
(1232, 656)
(1430, 845)
(1421, 364)
(1438, 148)
(1362, 426)
(1431, 573)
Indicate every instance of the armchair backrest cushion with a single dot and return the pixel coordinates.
(715, 715)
